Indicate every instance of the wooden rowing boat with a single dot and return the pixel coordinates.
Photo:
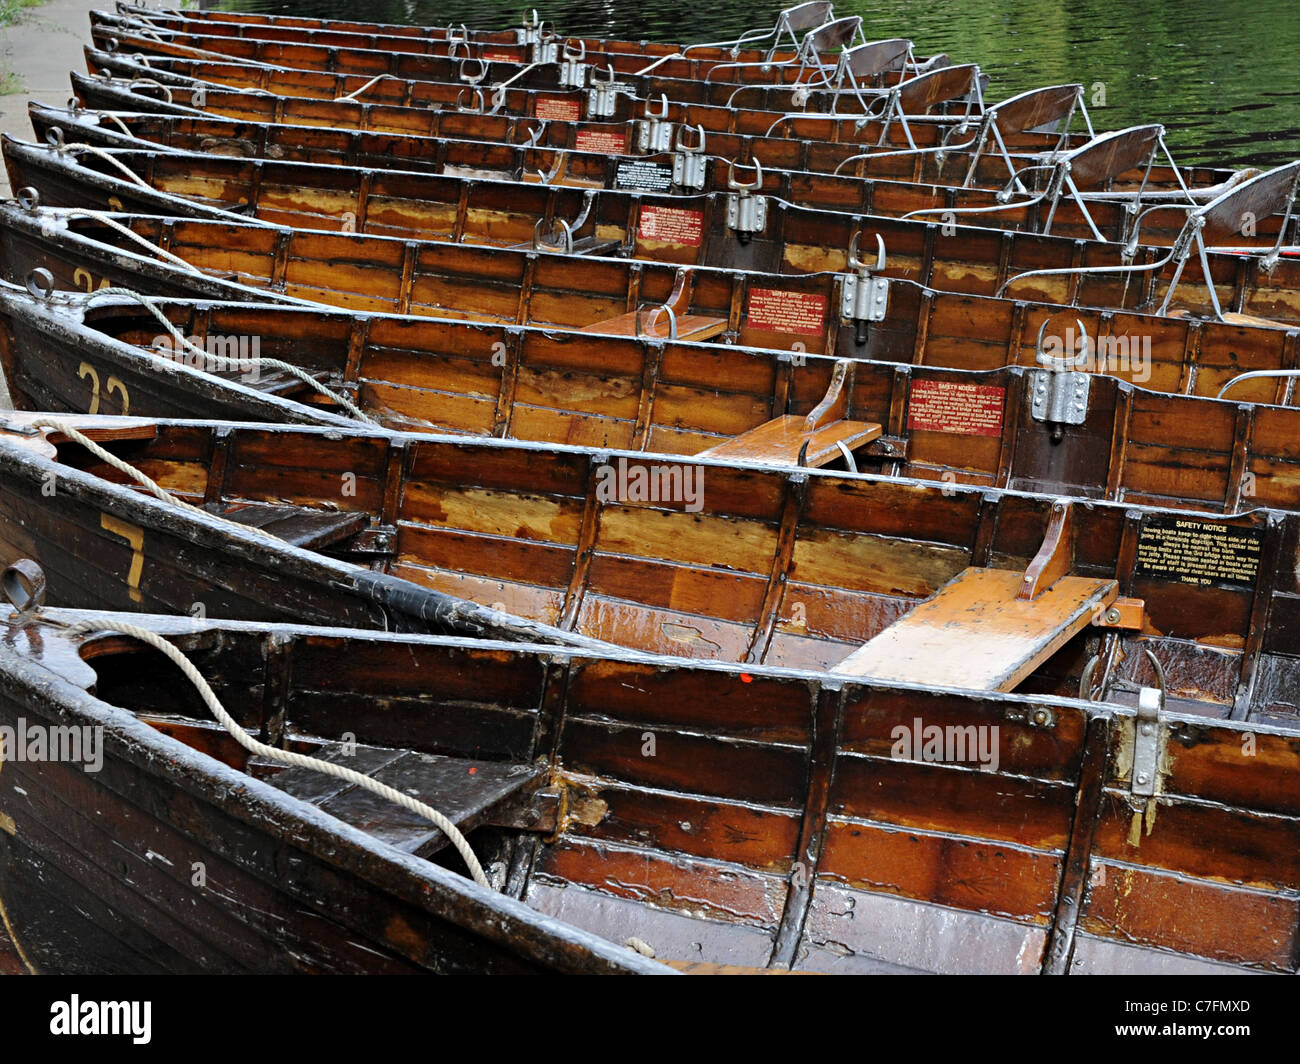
(1033, 121)
(1248, 284)
(855, 81)
(1045, 204)
(949, 94)
(788, 36)
(923, 327)
(110, 355)
(774, 824)
(707, 557)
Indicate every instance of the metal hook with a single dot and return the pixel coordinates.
(855, 263)
(535, 135)
(546, 178)
(1159, 670)
(28, 198)
(54, 138)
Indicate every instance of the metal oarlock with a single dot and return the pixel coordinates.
(654, 132)
(463, 74)
(602, 95)
(531, 30)
(1059, 391)
(655, 308)
(864, 298)
(573, 68)
(746, 214)
(689, 160)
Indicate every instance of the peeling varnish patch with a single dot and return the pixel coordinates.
(692, 637)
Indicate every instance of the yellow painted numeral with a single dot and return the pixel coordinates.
(135, 537)
(113, 384)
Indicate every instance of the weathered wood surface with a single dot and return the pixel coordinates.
(870, 827)
(975, 634)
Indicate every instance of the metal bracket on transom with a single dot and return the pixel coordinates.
(573, 67)
(602, 96)
(654, 133)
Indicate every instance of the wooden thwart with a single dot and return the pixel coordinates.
(466, 792)
(812, 440)
(657, 324)
(781, 439)
(975, 633)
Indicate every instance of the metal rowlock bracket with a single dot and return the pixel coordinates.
(471, 79)
(573, 69)
(602, 96)
(1059, 392)
(746, 214)
(689, 160)
(655, 132)
(864, 297)
(531, 31)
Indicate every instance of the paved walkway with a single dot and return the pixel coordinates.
(41, 48)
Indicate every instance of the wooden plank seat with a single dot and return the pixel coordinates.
(974, 633)
(780, 441)
(689, 326)
(296, 525)
(989, 629)
(468, 793)
(811, 440)
(657, 323)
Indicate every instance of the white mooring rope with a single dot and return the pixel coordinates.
(289, 757)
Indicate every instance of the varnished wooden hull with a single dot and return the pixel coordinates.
(679, 230)
(773, 824)
(939, 424)
(502, 287)
(594, 170)
(716, 560)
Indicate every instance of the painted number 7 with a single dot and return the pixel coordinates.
(135, 537)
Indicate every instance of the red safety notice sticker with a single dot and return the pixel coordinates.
(605, 141)
(951, 406)
(801, 313)
(672, 225)
(558, 108)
